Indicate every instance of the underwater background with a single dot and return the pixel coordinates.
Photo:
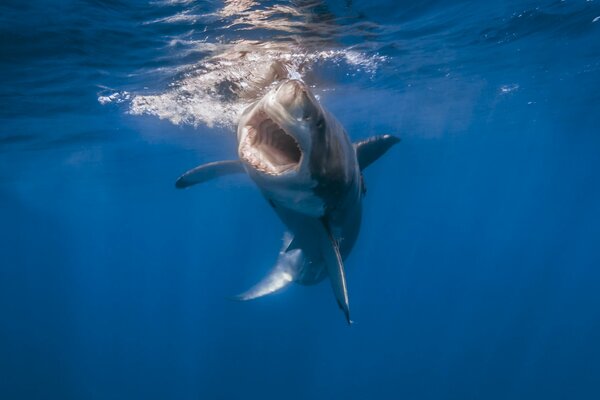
(476, 273)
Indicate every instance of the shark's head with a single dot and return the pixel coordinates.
(295, 151)
(276, 133)
(279, 137)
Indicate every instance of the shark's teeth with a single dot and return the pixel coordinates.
(260, 159)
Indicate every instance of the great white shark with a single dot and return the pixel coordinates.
(303, 162)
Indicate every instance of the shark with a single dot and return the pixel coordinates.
(305, 165)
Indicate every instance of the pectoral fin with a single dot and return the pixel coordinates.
(369, 150)
(335, 268)
(206, 172)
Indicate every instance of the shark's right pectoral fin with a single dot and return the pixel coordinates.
(206, 172)
(335, 268)
(285, 271)
(369, 150)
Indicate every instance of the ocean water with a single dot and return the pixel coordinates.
(477, 271)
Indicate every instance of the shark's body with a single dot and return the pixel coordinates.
(303, 161)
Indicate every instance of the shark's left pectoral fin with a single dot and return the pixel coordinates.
(369, 150)
(335, 269)
(206, 172)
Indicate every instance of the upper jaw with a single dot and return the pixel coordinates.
(267, 146)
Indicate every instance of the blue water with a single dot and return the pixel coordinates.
(476, 274)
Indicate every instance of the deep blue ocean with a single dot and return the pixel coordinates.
(476, 274)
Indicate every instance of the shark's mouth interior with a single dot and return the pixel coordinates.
(269, 148)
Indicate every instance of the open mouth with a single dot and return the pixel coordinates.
(268, 148)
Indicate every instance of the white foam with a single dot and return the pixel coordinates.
(216, 90)
(193, 110)
(116, 97)
(511, 87)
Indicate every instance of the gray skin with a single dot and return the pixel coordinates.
(324, 185)
(305, 165)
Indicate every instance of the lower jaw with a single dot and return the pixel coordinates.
(264, 168)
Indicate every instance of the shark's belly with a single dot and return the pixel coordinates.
(310, 266)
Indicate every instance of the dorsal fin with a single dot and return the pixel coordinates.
(206, 172)
(369, 150)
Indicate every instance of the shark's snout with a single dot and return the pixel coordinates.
(295, 98)
(290, 93)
